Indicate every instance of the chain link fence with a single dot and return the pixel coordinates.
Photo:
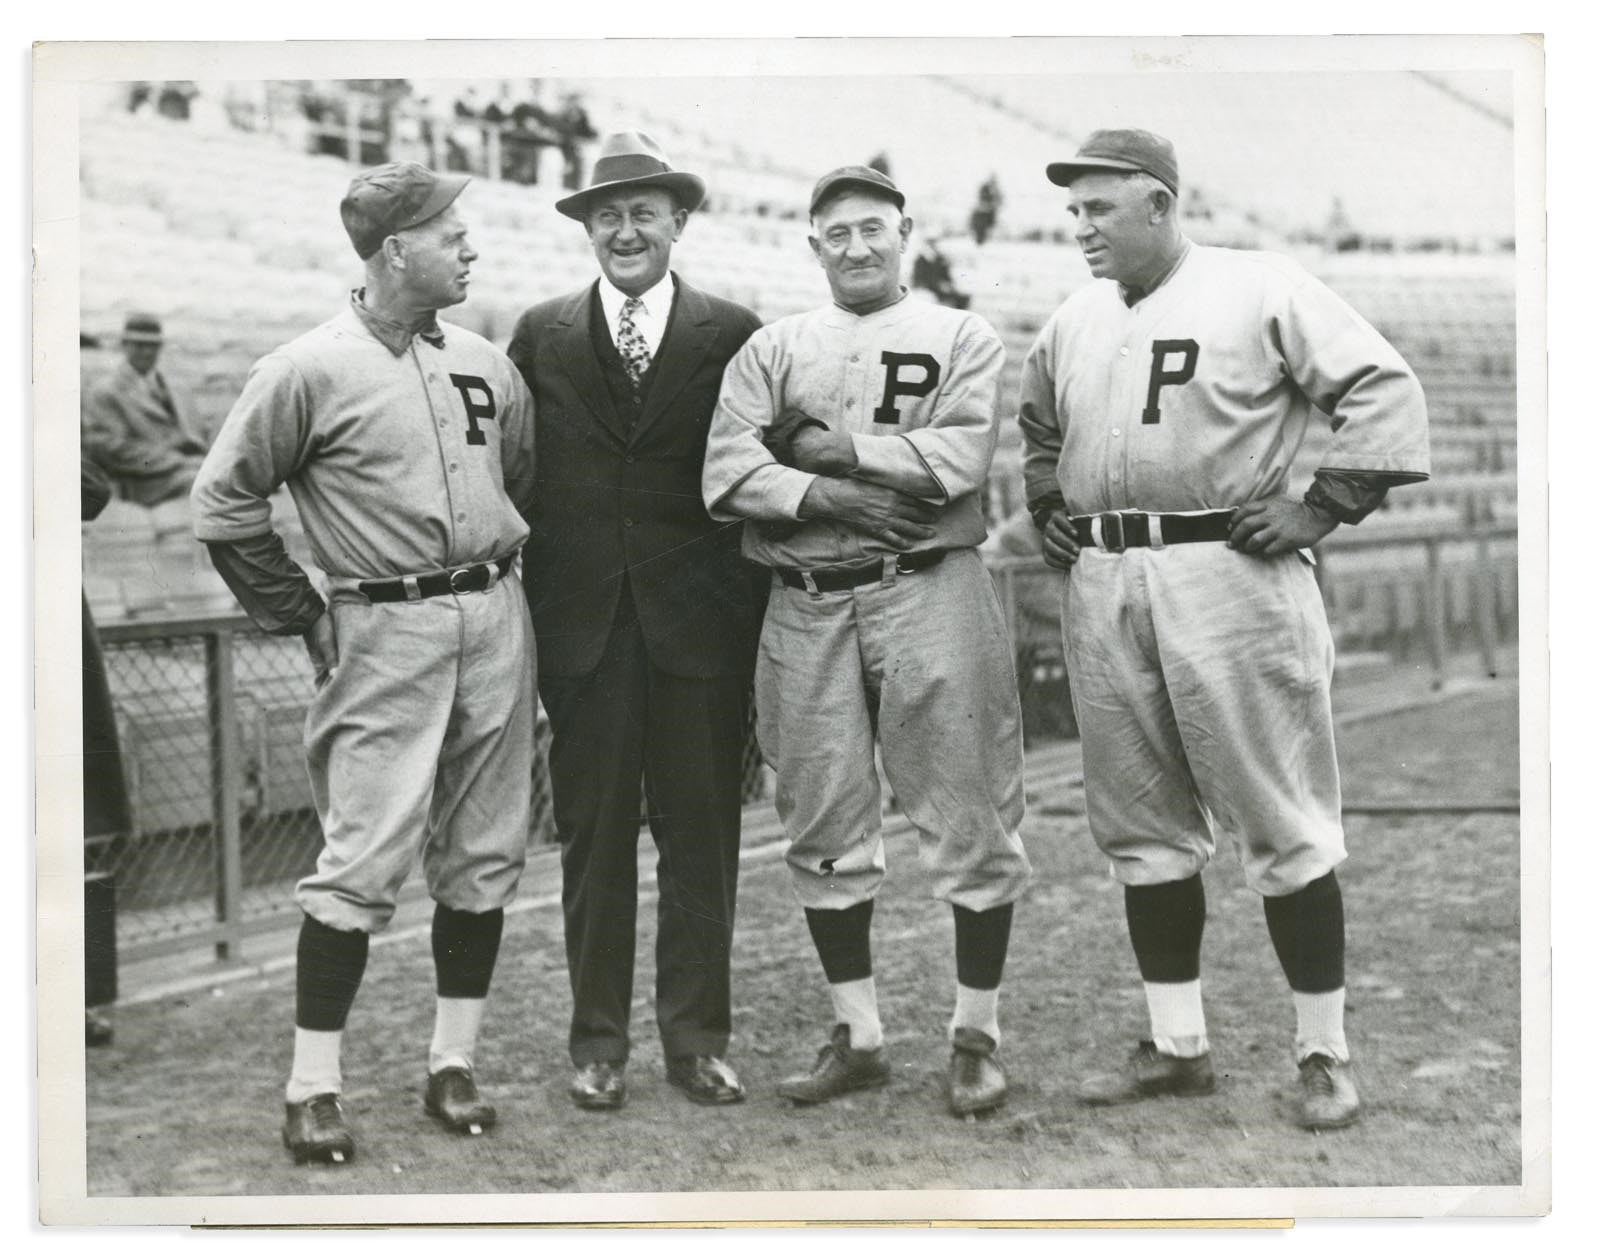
(210, 714)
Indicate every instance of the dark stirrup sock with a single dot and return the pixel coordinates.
(981, 941)
(843, 939)
(1165, 925)
(1307, 929)
(329, 965)
(465, 947)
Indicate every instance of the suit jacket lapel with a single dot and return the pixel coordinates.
(575, 348)
(689, 338)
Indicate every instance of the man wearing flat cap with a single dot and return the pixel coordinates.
(646, 618)
(1161, 410)
(134, 429)
(407, 443)
(856, 439)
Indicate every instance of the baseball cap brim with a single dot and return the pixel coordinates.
(853, 183)
(1061, 173)
(446, 187)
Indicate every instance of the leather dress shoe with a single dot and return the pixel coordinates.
(314, 1129)
(705, 1079)
(1147, 1074)
(977, 1083)
(452, 1097)
(599, 1086)
(1328, 1099)
(839, 1069)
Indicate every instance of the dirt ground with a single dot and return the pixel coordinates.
(188, 1102)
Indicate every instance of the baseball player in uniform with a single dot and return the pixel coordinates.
(882, 623)
(407, 445)
(1161, 409)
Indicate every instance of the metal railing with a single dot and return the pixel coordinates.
(211, 712)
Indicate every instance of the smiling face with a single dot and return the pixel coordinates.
(438, 261)
(860, 240)
(1120, 226)
(632, 232)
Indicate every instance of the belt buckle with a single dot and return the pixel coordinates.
(1117, 545)
(459, 572)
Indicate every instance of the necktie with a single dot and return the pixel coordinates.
(631, 343)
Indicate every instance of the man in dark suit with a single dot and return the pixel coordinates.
(646, 619)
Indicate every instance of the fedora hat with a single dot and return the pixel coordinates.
(633, 159)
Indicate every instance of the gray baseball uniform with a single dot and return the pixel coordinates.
(920, 660)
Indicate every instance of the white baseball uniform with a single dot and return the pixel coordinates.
(1200, 675)
(402, 463)
(921, 661)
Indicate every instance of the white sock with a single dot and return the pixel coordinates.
(1319, 1025)
(455, 1033)
(1177, 1019)
(855, 1003)
(977, 1009)
(316, 1064)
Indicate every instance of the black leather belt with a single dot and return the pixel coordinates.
(833, 579)
(473, 579)
(1131, 529)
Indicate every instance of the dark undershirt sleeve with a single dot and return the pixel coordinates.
(1350, 496)
(1042, 507)
(274, 591)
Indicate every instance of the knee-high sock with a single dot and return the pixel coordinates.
(1166, 924)
(1307, 929)
(843, 939)
(465, 947)
(329, 965)
(982, 938)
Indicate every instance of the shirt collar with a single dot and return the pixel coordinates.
(656, 301)
(904, 292)
(395, 337)
(1132, 296)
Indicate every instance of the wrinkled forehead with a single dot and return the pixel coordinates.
(1110, 187)
(856, 209)
(632, 200)
(445, 225)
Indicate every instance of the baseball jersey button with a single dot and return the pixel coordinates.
(629, 460)
(627, 523)
(461, 516)
(1123, 351)
(1116, 431)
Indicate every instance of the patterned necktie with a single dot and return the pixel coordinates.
(631, 343)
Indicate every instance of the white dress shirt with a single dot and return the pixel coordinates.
(651, 320)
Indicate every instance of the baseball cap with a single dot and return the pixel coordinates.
(392, 197)
(1120, 150)
(141, 328)
(847, 177)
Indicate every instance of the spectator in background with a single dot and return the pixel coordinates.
(572, 128)
(173, 100)
(987, 211)
(106, 813)
(465, 140)
(133, 426)
(931, 273)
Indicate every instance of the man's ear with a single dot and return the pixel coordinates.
(394, 252)
(905, 228)
(1162, 204)
(816, 247)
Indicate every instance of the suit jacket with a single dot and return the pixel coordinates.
(134, 429)
(616, 501)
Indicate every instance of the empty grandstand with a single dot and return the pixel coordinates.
(225, 225)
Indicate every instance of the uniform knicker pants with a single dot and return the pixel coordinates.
(1200, 680)
(421, 742)
(923, 664)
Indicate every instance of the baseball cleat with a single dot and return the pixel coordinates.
(599, 1086)
(977, 1083)
(839, 1069)
(1328, 1099)
(1147, 1074)
(705, 1079)
(315, 1130)
(452, 1097)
